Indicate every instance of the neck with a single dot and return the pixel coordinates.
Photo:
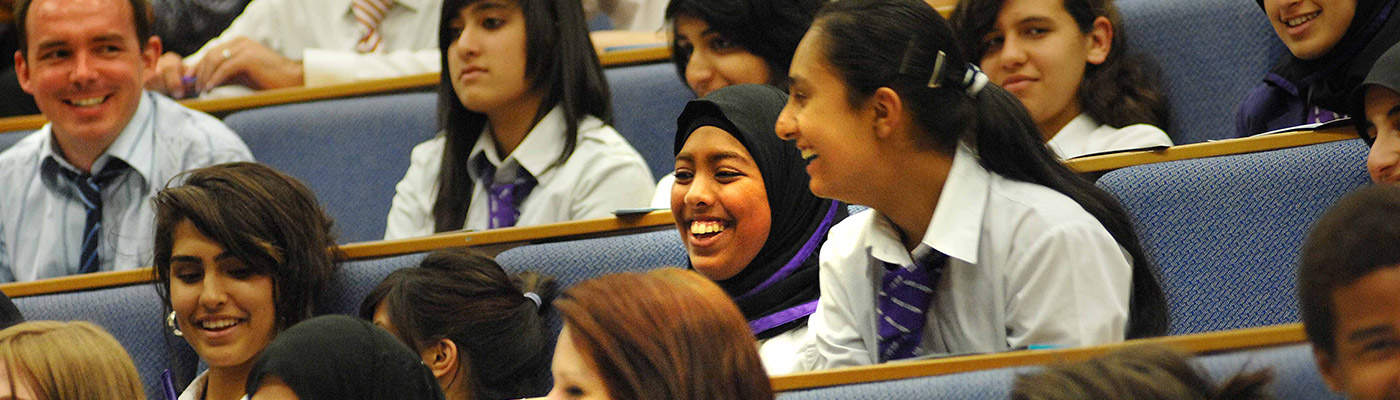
(82, 154)
(227, 383)
(911, 207)
(510, 126)
(1052, 126)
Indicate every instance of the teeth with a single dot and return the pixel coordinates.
(1300, 20)
(89, 102)
(704, 227)
(219, 324)
(808, 154)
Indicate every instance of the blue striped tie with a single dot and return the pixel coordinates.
(905, 295)
(90, 192)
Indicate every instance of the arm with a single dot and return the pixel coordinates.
(835, 329)
(414, 196)
(325, 67)
(1068, 287)
(614, 181)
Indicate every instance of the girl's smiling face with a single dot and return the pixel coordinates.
(224, 308)
(715, 61)
(720, 202)
(1310, 28)
(1038, 53)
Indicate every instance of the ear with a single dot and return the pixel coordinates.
(22, 72)
(1100, 41)
(888, 111)
(441, 358)
(1327, 366)
(151, 54)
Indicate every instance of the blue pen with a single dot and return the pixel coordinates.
(168, 384)
(1044, 347)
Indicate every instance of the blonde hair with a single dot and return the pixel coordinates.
(75, 360)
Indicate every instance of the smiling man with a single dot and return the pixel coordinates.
(77, 191)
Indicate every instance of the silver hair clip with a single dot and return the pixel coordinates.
(937, 71)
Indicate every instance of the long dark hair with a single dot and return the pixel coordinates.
(1126, 89)
(559, 62)
(769, 29)
(264, 218)
(467, 298)
(896, 44)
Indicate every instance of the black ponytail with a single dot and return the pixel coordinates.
(901, 44)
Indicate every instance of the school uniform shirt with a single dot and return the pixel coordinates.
(781, 354)
(322, 34)
(1027, 266)
(662, 198)
(43, 217)
(603, 174)
(195, 391)
(1084, 135)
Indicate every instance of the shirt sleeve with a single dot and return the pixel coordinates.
(259, 22)
(662, 198)
(1068, 287)
(321, 67)
(836, 338)
(6, 275)
(615, 180)
(410, 215)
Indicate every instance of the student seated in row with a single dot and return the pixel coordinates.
(979, 240)
(65, 360)
(748, 220)
(1349, 293)
(482, 337)
(1142, 372)
(1332, 45)
(525, 140)
(1068, 62)
(336, 357)
(717, 43)
(1376, 107)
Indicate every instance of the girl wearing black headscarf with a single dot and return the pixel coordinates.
(748, 219)
(1311, 84)
(340, 357)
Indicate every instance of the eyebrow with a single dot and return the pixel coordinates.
(192, 259)
(487, 5)
(1369, 332)
(1393, 111)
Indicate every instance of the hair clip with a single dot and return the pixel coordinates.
(536, 298)
(937, 71)
(974, 80)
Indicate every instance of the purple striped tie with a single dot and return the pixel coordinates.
(369, 13)
(905, 295)
(506, 197)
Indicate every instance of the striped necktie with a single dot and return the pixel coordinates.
(905, 295)
(505, 197)
(369, 13)
(90, 193)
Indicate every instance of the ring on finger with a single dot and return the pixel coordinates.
(227, 54)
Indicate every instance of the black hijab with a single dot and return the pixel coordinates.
(1328, 80)
(1386, 74)
(340, 357)
(778, 289)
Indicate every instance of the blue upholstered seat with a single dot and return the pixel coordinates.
(8, 139)
(1211, 53)
(351, 152)
(135, 316)
(1295, 373)
(646, 101)
(576, 261)
(354, 280)
(1224, 232)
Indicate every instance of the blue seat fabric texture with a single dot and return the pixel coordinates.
(351, 152)
(135, 316)
(1212, 52)
(1224, 232)
(647, 99)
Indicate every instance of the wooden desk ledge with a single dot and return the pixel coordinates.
(1201, 343)
(1253, 144)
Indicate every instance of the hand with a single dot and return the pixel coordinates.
(169, 76)
(247, 62)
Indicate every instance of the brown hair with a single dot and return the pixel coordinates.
(141, 16)
(266, 219)
(69, 360)
(665, 334)
(1139, 372)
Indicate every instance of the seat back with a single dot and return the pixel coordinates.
(1212, 52)
(8, 139)
(1224, 232)
(351, 152)
(576, 261)
(355, 279)
(646, 101)
(136, 317)
(1295, 373)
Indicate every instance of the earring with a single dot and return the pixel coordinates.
(170, 322)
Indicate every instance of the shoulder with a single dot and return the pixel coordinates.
(1024, 210)
(430, 150)
(24, 151)
(1132, 136)
(600, 146)
(178, 124)
(846, 240)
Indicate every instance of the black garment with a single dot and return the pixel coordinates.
(13, 100)
(1386, 74)
(186, 25)
(340, 357)
(9, 314)
(749, 112)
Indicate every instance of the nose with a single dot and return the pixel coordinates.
(786, 128)
(212, 295)
(83, 69)
(700, 193)
(466, 44)
(699, 71)
(1012, 55)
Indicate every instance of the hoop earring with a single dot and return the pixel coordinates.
(170, 322)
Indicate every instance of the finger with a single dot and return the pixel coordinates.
(224, 72)
(208, 64)
(174, 75)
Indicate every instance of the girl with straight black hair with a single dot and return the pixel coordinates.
(525, 135)
(717, 43)
(979, 240)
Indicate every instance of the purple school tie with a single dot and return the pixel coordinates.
(90, 193)
(904, 298)
(506, 197)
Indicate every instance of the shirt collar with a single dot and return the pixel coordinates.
(415, 5)
(536, 153)
(134, 146)
(956, 226)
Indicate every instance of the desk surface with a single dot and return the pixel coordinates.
(1253, 144)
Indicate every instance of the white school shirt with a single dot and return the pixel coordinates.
(781, 353)
(195, 391)
(604, 174)
(322, 34)
(1027, 266)
(662, 198)
(1084, 135)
